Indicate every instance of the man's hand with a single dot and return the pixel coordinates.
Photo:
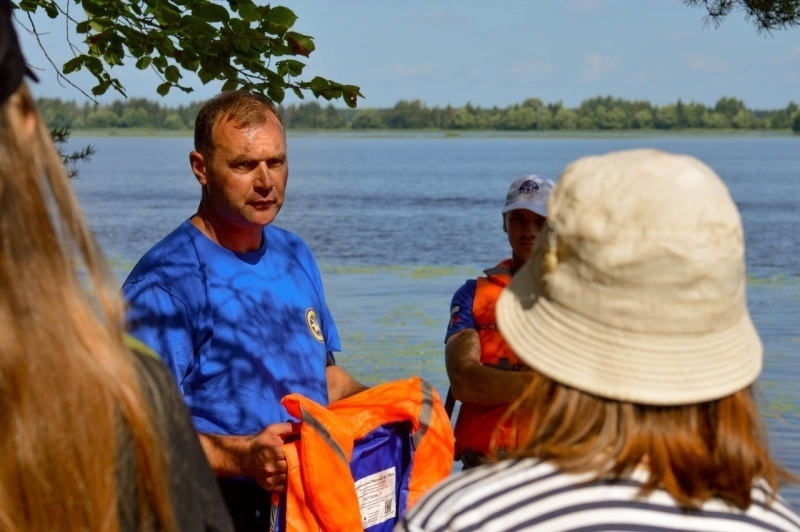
(258, 456)
(265, 462)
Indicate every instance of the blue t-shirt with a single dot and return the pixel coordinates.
(461, 309)
(239, 331)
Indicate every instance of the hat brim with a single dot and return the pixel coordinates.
(658, 369)
(541, 210)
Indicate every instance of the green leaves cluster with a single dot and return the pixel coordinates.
(766, 15)
(242, 44)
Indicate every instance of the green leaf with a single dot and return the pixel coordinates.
(95, 66)
(230, 85)
(242, 43)
(274, 78)
(211, 12)
(301, 44)
(82, 27)
(249, 11)
(205, 76)
(298, 93)
(143, 62)
(237, 27)
(172, 74)
(29, 6)
(291, 67)
(73, 65)
(166, 15)
(163, 89)
(319, 84)
(276, 94)
(281, 16)
(212, 64)
(101, 88)
(98, 24)
(160, 62)
(94, 8)
(351, 97)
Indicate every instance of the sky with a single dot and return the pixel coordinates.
(454, 52)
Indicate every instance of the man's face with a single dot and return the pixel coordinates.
(245, 179)
(522, 226)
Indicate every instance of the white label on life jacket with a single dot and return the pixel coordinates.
(376, 497)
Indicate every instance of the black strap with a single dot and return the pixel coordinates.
(449, 403)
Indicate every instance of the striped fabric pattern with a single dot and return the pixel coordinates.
(526, 494)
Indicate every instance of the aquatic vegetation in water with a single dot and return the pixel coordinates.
(780, 281)
(404, 271)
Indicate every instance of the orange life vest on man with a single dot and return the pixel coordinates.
(476, 423)
(321, 492)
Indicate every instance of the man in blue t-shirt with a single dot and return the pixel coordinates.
(235, 305)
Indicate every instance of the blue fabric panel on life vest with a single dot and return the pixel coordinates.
(386, 447)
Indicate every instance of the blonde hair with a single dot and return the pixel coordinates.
(695, 452)
(72, 408)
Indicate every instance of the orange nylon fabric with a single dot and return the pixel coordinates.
(475, 423)
(320, 488)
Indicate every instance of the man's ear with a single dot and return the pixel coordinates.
(505, 228)
(198, 164)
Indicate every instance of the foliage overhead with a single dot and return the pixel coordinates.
(767, 15)
(242, 44)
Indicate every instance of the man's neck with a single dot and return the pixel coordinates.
(235, 238)
(516, 263)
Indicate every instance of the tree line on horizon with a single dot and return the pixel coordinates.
(603, 113)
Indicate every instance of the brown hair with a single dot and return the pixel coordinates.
(71, 405)
(695, 452)
(245, 108)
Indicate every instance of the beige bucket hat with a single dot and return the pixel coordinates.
(635, 290)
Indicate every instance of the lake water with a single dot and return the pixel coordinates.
(398, 222)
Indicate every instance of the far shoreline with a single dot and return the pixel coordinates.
(454, 134)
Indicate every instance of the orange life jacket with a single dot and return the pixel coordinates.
(476, 423)
(322, 493)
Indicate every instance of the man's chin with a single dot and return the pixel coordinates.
(263, 218)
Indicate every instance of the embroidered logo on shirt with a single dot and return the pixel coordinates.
(313, 325)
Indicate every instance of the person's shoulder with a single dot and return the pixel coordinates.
(152, 372)
(280, 234)
(467, 290)
(287, 241)
(453, 496)
(177, 247)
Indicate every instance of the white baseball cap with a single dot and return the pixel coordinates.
(529, 192)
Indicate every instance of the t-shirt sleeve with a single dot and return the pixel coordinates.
(328, 326)
(461, 309)
(162, 322)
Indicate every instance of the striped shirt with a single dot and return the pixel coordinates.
(525, 494)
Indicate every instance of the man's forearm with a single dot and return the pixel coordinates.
(225, 454)
(471, 381)
(341, 384)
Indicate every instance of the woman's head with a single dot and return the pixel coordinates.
(636, 287)
(71, 403)
(632, 311)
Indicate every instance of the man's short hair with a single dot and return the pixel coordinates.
(245, 108)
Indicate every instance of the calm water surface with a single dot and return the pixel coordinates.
(398, 223)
